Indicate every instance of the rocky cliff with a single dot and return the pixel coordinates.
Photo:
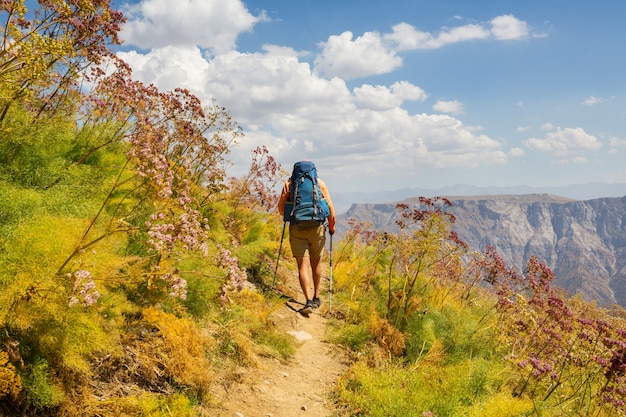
(583, 242)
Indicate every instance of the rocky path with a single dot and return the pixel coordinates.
(300, 387)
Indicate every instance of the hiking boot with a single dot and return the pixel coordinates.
(316, 302)
(308, 308)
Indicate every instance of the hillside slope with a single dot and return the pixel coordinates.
(583, 242)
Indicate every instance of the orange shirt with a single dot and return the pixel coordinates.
(286, 194)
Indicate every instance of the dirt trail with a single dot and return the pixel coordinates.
(300, 387)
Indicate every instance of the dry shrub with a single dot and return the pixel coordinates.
(10, 382)
(392, 340)
(162, 353)
(235, 345)
(436, 354)
(182, 353)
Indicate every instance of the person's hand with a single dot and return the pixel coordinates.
(331, 230)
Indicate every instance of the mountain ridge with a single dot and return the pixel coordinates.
(343, 200)
(582, 241)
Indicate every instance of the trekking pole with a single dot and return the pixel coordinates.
(279, 249)
(330, 297)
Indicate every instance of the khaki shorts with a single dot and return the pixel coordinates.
(307, 240)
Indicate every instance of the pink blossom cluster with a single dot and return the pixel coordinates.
(176, 150)
(237, 276)
(561, 341)
(174, 156)
(149, 150)
(412, 218)
(84, 289)
(165, 231)
(257, 187)
(178, 285)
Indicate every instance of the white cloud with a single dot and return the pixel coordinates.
(305, 112)
(521, 129)
(615, 143)
(462, 34)
(264, 88)
(450, 107)
(280, 102)
(564, 142)
(373, 53)
(213, 24)
(547, 126)
(283, 51)
(415, 141)
(407, 38)
(408, 91)
(344, 57)
(381, 97)
(508, 27)
(169, 67)
(592, 101)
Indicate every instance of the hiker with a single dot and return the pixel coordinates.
(308, 205)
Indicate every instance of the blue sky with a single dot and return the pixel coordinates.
(419, 93)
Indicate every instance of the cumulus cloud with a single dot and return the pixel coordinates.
(208, 24)
(374, 53)
(282, 103)
(304, 110)
(508, 27)
(615, 144)
(381, 97)
(406, 37)
(350, 58)
(408, 91)
(517, 152)
(565, 141)
(275, 89)
(461, 34)
(450, 107)
(169, 67)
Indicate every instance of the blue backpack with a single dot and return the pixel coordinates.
(308, 205)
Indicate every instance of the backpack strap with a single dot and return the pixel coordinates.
(293, 197)
(315, 195)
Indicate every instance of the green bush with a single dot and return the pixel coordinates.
(41, 392)
(354, 336)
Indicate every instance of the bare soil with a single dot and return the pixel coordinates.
(300, 386)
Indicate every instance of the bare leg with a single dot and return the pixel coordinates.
(304, 276)
(316, 267)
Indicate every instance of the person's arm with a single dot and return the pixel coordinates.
(331, 218)
(284, 197)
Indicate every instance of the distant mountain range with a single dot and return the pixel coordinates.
(343, 201)
(582, 240)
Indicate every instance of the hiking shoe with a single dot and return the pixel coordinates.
(308, 308)
(316, 302)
